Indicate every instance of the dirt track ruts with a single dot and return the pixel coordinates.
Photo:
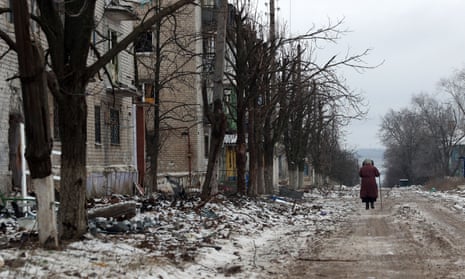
(412, 236)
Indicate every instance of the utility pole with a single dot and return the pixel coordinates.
(268, 147)
(272, 22)
(217, 117)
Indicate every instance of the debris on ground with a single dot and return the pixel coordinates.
(154, 237)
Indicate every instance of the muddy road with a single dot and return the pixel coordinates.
(412, 236)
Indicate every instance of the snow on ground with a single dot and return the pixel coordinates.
(239, 238)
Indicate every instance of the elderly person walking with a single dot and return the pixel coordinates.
(369, 189)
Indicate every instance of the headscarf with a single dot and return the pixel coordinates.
(367, 162)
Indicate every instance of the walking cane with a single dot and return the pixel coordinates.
(380, 192)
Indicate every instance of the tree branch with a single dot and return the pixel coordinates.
(131, 37)
(8, 40)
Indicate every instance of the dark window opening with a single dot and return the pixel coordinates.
(98, 127)
(56, 122)
(114, 126)
(144, 42)
(10, 14)
(114, 65)
(207, 146)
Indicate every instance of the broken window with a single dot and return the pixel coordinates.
(98, 131)
(144, 42)
(114, 126)
(113, 66)
(56, 121)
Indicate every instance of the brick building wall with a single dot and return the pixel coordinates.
(110, 147)
(10, 99)
(182, 153)
(110, 164)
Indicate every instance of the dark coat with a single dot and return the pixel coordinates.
(369, 188)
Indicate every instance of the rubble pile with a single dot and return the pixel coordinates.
(177, 232)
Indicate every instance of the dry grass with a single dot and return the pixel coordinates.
(445, 183)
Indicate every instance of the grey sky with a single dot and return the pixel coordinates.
(420, 42)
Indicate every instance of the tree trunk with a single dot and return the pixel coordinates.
(257, 141)
(46, 216)
(293, 176)
(156, 140)
(267, 127)
(154, 143)
(300, 181)
(241, 147)
(260, 170)
(35, 102)
(210, 185)
(125, 210)
(268, 155)
(252, 143)
(269, 168)
(73, 129)
(14, 143)
(217, 117)
(241, 161)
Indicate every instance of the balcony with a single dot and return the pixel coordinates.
(121, 90)
(117, 12)
(210, 17)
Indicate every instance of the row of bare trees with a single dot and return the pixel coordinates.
(425, 140)
(284, 96)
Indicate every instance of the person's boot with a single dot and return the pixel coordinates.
(366, 207)
(373, 205)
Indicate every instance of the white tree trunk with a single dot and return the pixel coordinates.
(46, 211)
(275, 175)
(300, 181)
(293, 179)
(261, 180)
(214, 180)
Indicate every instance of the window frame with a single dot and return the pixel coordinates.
(115, 128)
(142, 44)
(98, 124)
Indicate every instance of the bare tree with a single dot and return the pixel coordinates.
(68, 27)
(39, 145)
(343, 167)
(247, 59)
(455, 87)
(318, 104)
(216, 116)
(163, 74)
(422, 141)
(425, 141)
(444, 130)
(266, 94)
(401, 132)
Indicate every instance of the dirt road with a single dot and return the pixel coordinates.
(412, 236)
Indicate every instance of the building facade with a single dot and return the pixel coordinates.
(121, 101)
(111, 160)
(10, 111)
(169, 73)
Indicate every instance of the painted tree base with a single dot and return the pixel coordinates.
(46, 211)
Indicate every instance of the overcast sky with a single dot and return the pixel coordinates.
(420, 42)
